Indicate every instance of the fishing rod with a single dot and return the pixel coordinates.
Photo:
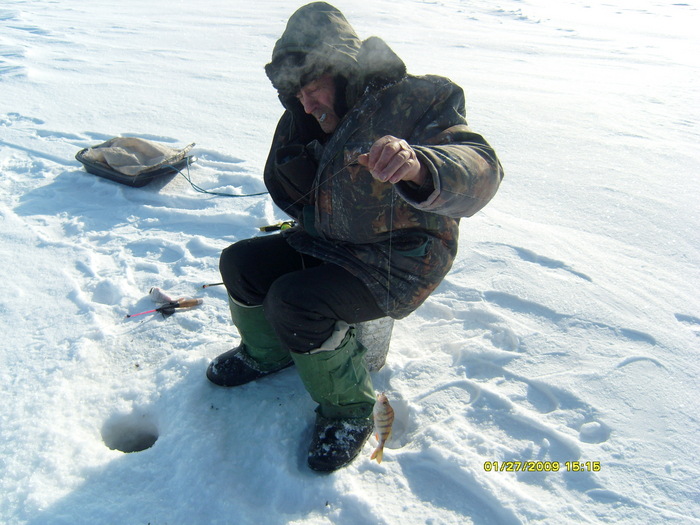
(169, 308)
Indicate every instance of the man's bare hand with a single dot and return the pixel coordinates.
(392, 160)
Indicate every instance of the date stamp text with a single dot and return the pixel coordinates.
(542, 466)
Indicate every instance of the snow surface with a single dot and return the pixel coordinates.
(568, 329)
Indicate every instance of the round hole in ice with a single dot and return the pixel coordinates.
(130, 432)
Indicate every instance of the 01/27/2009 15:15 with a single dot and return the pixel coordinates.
(541, 466)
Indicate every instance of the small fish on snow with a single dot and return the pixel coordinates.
(383, 419)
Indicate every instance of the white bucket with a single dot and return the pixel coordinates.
(375, 335)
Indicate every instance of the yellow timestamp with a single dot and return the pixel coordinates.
(542, 466)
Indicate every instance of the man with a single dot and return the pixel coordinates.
(376, 167)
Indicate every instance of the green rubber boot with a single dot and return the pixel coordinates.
(259, 354)
(336, 377)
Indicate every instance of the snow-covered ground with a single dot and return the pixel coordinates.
(568, 330)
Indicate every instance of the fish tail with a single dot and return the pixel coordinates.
(377, 454)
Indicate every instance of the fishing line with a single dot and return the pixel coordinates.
(391, 236)
(327, 179)
(199, 189)
(476, 146)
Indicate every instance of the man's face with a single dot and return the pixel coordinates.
(318, 99)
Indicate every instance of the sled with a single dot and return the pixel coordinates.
(137, 162)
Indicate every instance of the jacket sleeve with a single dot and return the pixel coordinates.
(285, 135)
(463, 169)
(289, 171)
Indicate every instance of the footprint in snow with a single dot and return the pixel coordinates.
(690, 321)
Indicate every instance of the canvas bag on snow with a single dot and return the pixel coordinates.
(133, 156)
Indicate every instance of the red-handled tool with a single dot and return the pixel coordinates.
(169, 308)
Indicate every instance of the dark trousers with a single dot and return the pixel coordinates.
(303, 297)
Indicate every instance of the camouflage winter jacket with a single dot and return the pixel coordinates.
(400, 240)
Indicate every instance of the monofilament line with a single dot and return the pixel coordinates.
(391, 235)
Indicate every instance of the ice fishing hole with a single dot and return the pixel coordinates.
(133, 432)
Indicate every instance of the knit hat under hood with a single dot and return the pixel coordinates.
(317, 40)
